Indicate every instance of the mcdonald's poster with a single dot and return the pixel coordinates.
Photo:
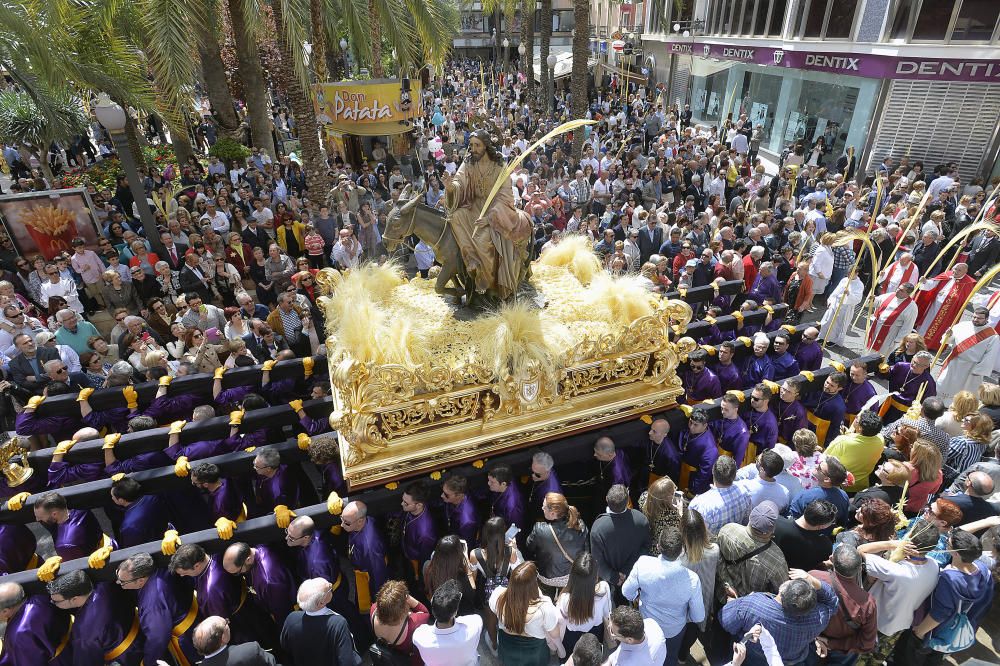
(46, 223)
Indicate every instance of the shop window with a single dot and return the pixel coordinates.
(976, 20)
(777, 17)
(933, 20)
(814, 18)
(760, 24)
(841, 19)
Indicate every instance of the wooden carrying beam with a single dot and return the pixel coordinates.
(199, 384)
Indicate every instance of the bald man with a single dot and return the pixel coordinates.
(367, 552)
(979, 487)
(211, 639)
(266, 574)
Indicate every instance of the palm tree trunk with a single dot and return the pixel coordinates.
(527, 38)
(180, 141)
(252, 76)
(318, 56)
(373, 20)
(214, 74)
(305, 117)
(578, 81)
(545, 95)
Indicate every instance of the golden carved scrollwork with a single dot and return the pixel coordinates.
(434, 412)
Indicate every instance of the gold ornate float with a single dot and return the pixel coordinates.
(420, 385)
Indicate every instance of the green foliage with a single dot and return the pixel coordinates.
(22, 122)
(229, 150)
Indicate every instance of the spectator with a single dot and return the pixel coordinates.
(452, 640)
(493, 562)
(529, 622)
(668, 593)
(395, 615)
(661, 505)
(795, 616)
(315, 635)
(751, 561)
(585, 603)
(60, 286)
(555, 543)
(211, 640)
(640, 639)
(700, 556)
(449, 561)
(829, 475)
(763, 487)
(618, 538)
(973, 502)
(724, 502)
(72, 332)
(803, 540)
(967, 449)
(860, 449)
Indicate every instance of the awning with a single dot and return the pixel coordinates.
(564, 62)
(387, 128)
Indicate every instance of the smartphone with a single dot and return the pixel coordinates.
(512, 532)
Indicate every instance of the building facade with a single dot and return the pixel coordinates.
(917, 78)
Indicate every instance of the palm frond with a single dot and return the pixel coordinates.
(437, 23)
(350, 18)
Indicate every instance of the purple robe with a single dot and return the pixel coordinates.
(666, 459)
(366, 551)
(829, 408)
(462, 520)
(757, 368)
(904, 384)
(114, 419)
(333, 479)
(197, 450)
(729, 377)
(234, 396)
(765, 288)
(36, 633)
(539, 489)
(63, 474)
(809, 356)
(272, 583)
(219, 593)
(419, 537)
(785, 366)
(226, 502)
(282, 488)
(139, 463)
(102, 624)
(36, 483)
(78, 537)
(509, 505)
(732, 436)
(790, 416)
(700, 453)
(699, 386)
(60, 427)
(165, 602)
(616, 471)
(17, 547)
(773, 325)
(748, 331)
(145, 520)
(319, 559)
(713, 337)
(856, 395)
(170, 408)
(313, 426)
(763, 427)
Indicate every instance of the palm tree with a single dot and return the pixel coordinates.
(579, 77)
(527, 38)
(214, 74)
(25, 125)
(251, 74)
(545, 95)
(419, 31)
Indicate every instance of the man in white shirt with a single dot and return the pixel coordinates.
(13, 324)
(59, 286)
(941, 184)
(346, 252)
(760, 482)
(218, 219)
(263, 214)
(641, 641)
(450, 641)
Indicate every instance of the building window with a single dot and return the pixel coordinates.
(777, 18)
(933, 20)
(760, 22)
(841, 19)
(814, 18)
(748, 11)
(657, 17)
(977, 19)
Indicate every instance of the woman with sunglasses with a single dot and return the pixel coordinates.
(227, 281)
(93, 369)
(200, 353)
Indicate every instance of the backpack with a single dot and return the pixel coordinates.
(500, 578)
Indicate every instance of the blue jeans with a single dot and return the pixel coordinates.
(836, 275)
(673, 648)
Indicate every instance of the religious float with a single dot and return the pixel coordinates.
(421, 383)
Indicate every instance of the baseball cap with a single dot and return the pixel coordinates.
(763, 517)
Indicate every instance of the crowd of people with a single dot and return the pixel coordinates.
(810, 522)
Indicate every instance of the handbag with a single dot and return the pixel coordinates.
(383, 654)
(955, 635)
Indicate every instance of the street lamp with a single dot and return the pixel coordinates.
(343, 50)
(527, 66)
(551, 62)
(113, 117)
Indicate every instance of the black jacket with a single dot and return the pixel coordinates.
(244, 654)
(647, 246)
(616, 542)
(318, 640)
(191, 282)
(20, 368)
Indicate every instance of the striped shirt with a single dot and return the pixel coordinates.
(719, 506)
(963, 453)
